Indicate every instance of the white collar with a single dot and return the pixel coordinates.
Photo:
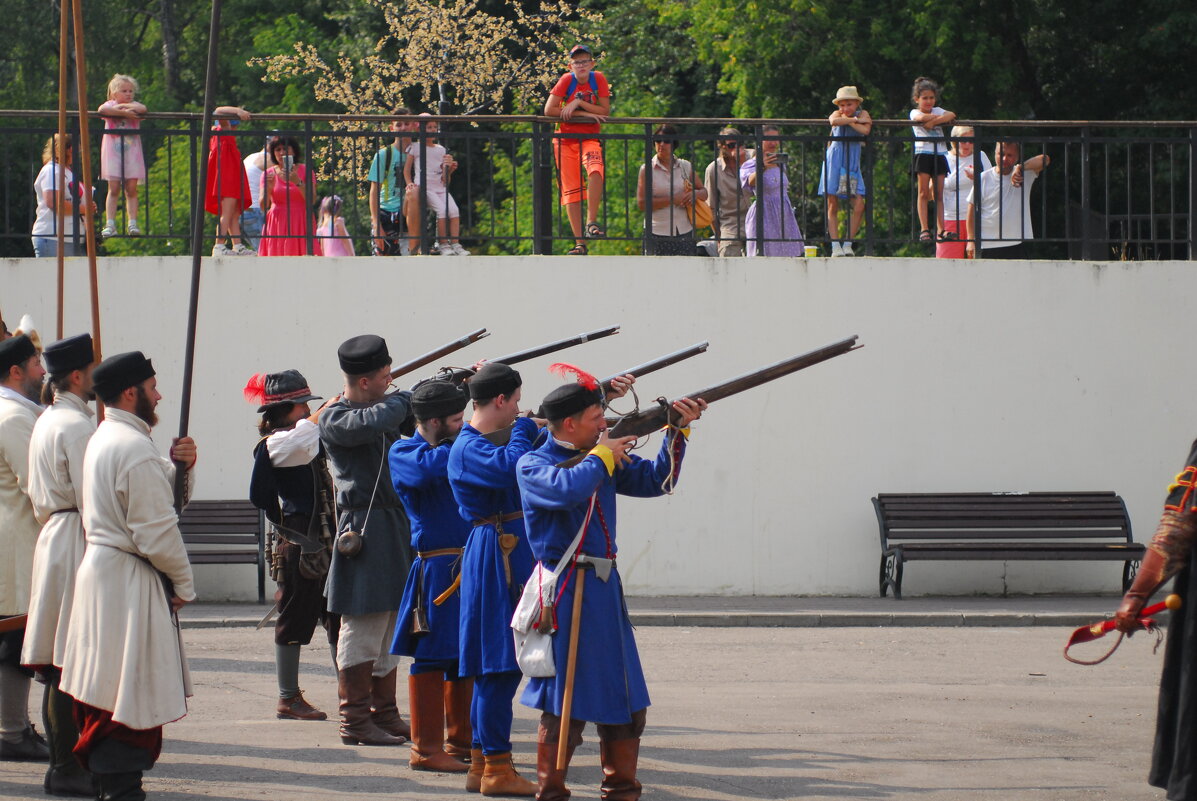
(73, 401)
(128, 418)
(13, 395)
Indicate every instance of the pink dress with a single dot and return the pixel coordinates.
(286, 228)
(333, 240)
(121, 158)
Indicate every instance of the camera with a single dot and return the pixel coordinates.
(782, 158)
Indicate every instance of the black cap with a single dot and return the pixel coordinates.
(580, 48)
(15, 351)
(434, 399)
(364, 354)
(72, 353)
(289, 386)
(566, 401)
(117, 373)
(494, 380)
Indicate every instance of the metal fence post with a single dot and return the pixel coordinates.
(542, 193)
(1087, 248)
(1192, 193)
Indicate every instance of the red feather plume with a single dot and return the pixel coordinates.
(584, 378)
(255, 389)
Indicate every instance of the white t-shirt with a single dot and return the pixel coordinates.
(1004, 210)
(436, 164)
(47, 179)
(921, 144)
(958, 183)
(253, 173)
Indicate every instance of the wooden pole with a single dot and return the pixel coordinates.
(60, 173)
(571, 670)
(85, 194)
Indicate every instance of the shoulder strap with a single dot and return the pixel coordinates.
(573, 85)
(573, 546)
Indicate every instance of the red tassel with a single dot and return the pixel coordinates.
(584, 378)
(255, 389)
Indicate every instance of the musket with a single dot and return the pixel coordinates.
(14, 623)
(460, 375)
(444, 350)
(1098, 630)
(639, 424)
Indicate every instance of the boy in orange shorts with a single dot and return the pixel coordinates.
(582, 99)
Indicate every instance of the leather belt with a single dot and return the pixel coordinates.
(439, 552)
(498, 520)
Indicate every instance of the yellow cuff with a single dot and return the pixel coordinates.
(604, 453)
(685, 432)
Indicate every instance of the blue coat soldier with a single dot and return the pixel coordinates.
(609, 687)
(429, 615)
(357, 430)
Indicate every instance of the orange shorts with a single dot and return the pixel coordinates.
(571, 155)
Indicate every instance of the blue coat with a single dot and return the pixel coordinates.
(609, 685)
(420, 473)
(482, 476)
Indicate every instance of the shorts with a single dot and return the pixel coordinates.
(570, 155)
(931, 163)
(438, 201)
(391, 224)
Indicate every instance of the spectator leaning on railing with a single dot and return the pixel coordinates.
(674, 187)
(728, 200)
(1004, 196)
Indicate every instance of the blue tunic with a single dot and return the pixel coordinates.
(356, 437)
(482, 476)
(420, 473)
(609, 684)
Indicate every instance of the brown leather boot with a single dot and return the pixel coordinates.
(297, 708)
(499, 777)
(619, 758)
(459, 734)
(550, 780)
(353, 687)
(383, 708)
(426, 696)
(474, 777)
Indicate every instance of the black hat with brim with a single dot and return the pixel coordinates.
(289, 386)
(72, 353)
(15, 351)
(566, 401)
(363, 354)
(435, 399)
(494, 380)
(117, 373)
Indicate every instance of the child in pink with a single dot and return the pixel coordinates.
(332, 238)
(122, 163)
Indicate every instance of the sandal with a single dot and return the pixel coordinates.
(925, 236)
(579, 249)
(948, 236)
(594, 231)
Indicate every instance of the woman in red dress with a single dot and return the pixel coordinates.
(287, 196)
(227, 189)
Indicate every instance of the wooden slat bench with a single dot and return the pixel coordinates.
(1003, 526)
(225, 533)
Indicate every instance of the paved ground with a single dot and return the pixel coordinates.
(934, 713)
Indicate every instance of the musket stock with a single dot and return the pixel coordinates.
(429, 358)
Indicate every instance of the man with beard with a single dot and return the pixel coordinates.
(427, 627)
(123, 663)
(21, 376)
(365, 588)
(290, 483)
(60, 438)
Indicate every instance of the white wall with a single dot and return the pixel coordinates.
(974, 376)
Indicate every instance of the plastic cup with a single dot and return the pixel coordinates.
(811, 251)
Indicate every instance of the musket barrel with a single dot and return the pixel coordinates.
(659, 364)
(429, 358)
(562, 344)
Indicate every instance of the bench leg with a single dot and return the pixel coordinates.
(1129, 571)
(890, 575)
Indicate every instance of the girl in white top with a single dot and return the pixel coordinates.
(930, 164)
(961, 168)
(440, 168)
(54, 209)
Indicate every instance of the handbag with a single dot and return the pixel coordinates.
(350, 543)
(699, 213)
(531, 627)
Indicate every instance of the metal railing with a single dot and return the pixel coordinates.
(1113, 190)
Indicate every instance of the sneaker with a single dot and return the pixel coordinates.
(435, 250)
(837, 250)
(458, 250)
(219, 250)
(108, 230)
(133, 229)
(242, 250)
(848, 249)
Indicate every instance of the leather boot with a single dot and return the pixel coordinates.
(474, 777)
(426, 698)
(121, 786)
(357, 728)
(297, 708)
(619, 758)
(384, 710)
(459, 734)
(550, 781)
(65, 777)
(499, 777)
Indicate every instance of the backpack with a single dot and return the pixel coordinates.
(573, 84)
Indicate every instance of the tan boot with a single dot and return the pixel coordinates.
(619, 758)
(383, 708)
(297, 708)
(550, 781)
(426, 696)
(353, 687)
(473, 782)
(459, 734)
(499, 777)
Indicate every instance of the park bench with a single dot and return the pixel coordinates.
(1003, 526)
(225, 533)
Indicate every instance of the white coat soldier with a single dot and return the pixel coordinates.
(291, 485)
(124, 664)
(60, 438)
(21, 376)
(365, 588)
